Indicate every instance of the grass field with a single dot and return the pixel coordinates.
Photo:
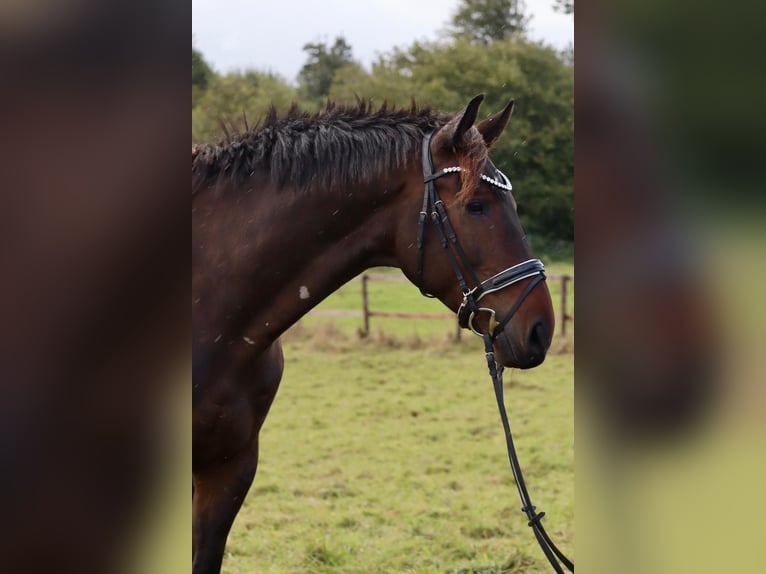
(386, 454)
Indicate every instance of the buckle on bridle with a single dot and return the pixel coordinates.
(492, 325)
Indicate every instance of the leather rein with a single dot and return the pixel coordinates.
(470, 308)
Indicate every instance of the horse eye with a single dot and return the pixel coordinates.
(476, 207)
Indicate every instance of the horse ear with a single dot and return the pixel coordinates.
(493, 126)
(451, 135)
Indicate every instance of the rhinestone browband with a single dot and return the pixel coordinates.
(492, 181)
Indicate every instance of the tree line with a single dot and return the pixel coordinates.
(484, 49)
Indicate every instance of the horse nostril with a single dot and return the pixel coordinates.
(538, 341)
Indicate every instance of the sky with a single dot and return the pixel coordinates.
(269, 35)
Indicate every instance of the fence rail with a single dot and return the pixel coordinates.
(563, 316)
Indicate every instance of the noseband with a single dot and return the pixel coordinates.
(469, 309)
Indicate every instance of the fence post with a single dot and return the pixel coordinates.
(459, 332)
(365, 306)
(564, 280)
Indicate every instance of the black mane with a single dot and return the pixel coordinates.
(337, 146)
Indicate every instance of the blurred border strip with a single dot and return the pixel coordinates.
(669, 250)
(94, 254)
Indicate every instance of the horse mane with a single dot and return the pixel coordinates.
(337, 146)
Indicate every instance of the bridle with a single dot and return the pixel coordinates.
(470, 308)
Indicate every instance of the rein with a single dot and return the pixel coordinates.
(532, 269)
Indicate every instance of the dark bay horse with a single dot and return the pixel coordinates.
(286, 213)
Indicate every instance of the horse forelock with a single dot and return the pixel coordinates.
(472, 157)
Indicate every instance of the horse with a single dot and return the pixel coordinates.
(286, 212)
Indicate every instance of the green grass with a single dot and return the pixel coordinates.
(386, 455)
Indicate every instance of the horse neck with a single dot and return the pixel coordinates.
(265, 257)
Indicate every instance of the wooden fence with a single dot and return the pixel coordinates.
(562, 317)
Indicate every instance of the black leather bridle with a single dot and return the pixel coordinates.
(469, 309)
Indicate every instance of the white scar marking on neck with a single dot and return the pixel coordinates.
(303, 292)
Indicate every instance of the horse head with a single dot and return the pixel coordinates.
(477, 261)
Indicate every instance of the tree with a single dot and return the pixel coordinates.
(486, 21)
(202, 75)
(231, 98)
(564, 6)
(316, 75)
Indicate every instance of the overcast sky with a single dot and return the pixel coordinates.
(269, 34)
